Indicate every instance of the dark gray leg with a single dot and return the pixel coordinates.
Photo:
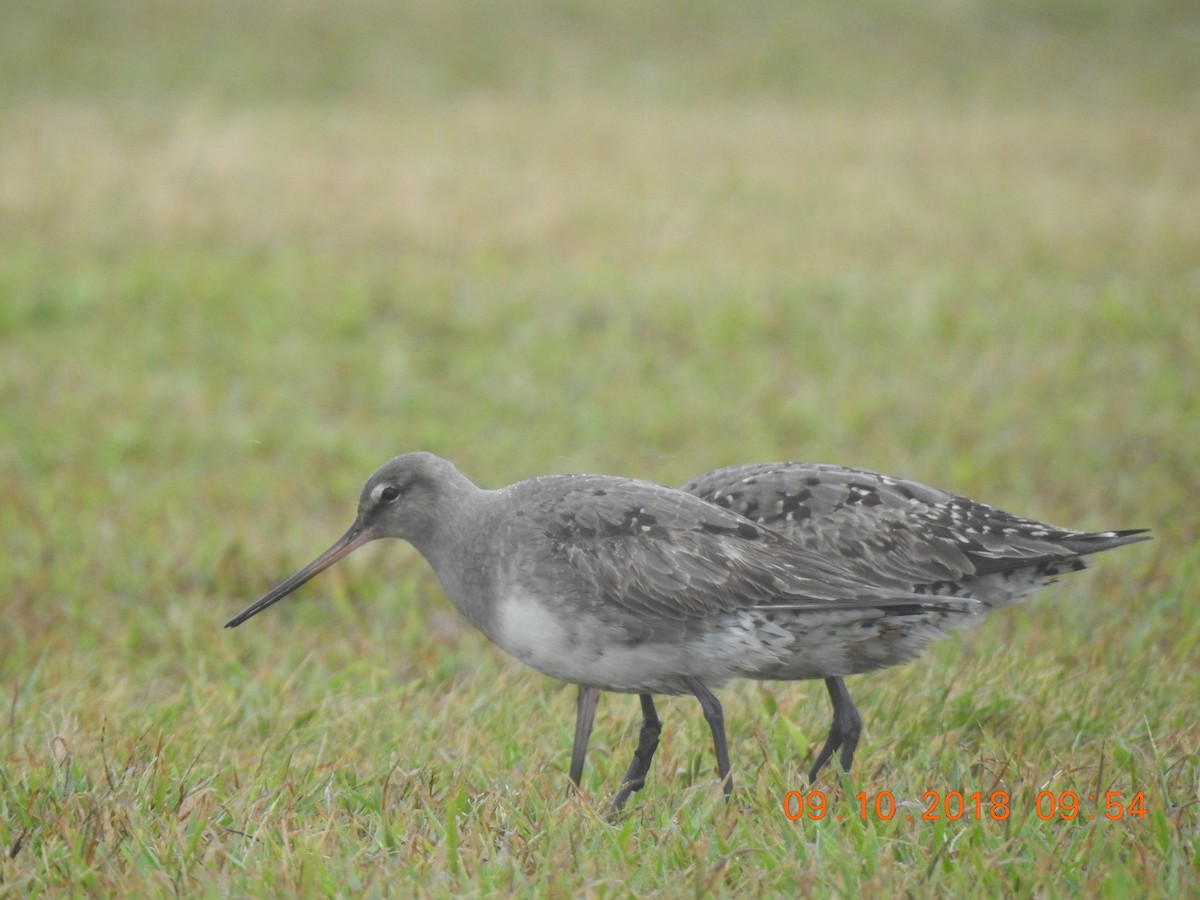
(585, 715)
(635, 778)
(843, 733)
(716, 723)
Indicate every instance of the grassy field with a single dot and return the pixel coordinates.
(249, 251)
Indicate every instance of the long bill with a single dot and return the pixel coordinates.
(343, 546)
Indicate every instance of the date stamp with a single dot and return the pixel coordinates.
(951, 806)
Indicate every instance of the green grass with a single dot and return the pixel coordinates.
(247, 252)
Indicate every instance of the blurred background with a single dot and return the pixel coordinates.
(248, 251)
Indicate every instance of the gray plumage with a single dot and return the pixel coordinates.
(623, 585)
(903, 535)
(778, 571)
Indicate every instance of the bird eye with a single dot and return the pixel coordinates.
(390, 494)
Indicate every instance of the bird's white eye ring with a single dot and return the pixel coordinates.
(389, 494)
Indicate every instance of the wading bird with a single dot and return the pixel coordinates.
(623, 585)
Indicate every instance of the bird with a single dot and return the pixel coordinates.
(622, 585)
(898, 534)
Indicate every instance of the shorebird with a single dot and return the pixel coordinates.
(629, 586)
(899, 535)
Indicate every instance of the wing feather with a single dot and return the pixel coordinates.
(899, 533)
(659, 552)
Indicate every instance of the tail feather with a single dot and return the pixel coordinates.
(1099, 541)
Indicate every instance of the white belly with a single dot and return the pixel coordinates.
(583, 649)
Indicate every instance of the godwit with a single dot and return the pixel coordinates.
(622, 585)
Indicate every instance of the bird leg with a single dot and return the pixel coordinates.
(843, 732)
(635, 778)
(716, 723)
(585, 715)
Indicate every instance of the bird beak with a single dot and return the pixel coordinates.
(358, 535)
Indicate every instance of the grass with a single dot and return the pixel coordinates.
(247, 253)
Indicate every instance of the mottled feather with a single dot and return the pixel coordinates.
(654, 551)
(903, 534)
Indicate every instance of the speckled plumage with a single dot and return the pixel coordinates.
(623, 585)
(903, 535)
(896, 533)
